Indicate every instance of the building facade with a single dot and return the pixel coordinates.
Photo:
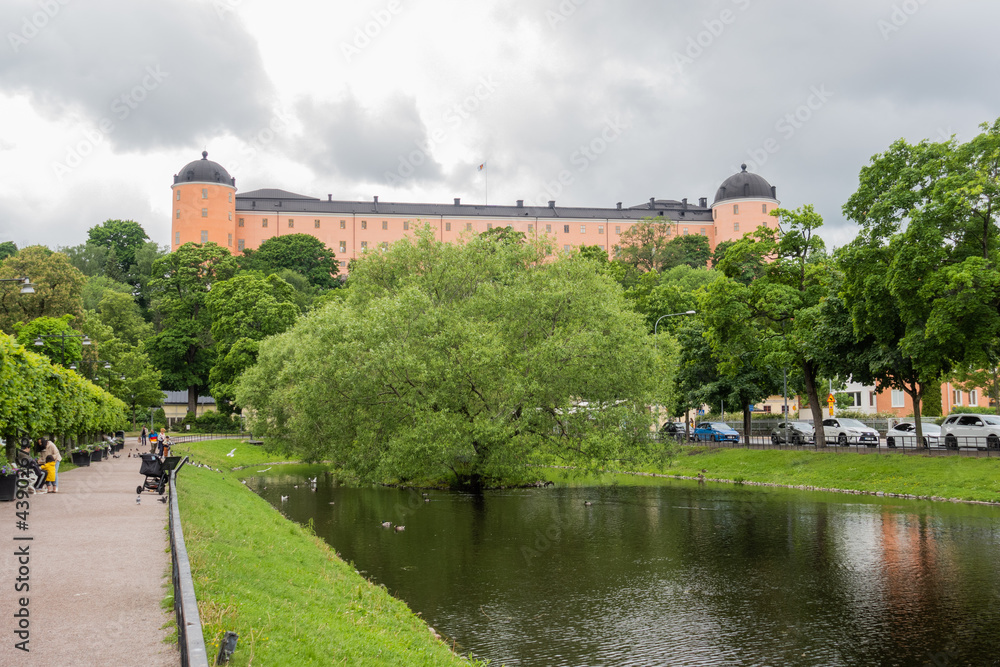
(207, 208)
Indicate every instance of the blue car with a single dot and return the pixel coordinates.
(715, 431)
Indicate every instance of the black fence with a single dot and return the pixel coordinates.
(190, 639)
(987, 447)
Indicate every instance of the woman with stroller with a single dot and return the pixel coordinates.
(50, 450)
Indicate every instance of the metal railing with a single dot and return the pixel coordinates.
(189, 635)
(987, 447)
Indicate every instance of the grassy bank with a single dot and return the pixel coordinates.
(284, 591)
(945, 477)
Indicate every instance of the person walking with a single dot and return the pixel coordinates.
(144, 437)
(160, 440)
(51, 451)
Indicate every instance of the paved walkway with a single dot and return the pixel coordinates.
(98, 566)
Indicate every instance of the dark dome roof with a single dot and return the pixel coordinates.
(204, 171)
(745, 185)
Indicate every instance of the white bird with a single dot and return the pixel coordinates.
(312, 481)
(232, 453)
(284, 498)
(399, 528)
(265, 469)
(387, 524)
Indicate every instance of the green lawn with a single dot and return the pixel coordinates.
(284, 591)
(947, 477)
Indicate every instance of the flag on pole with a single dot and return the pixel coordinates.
(482, 166)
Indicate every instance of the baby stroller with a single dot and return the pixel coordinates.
(156, 470)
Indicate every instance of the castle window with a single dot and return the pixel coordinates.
(736, 226)
(685, 231)
(489, 225)
(385, 224)
(406, 225)
(343, 224)
(204, 236)
(468, 226)
(601, 247)
(531, 228)
(177, 238)
(364, 224)
(263, 223)
(447, 226)
(384, 246)
(178, 214)
(703, 231)
(583, 229)
(204, 212)
(343, 246)
(715, 214)
(364, 246)
(241, 222)
(343, 263)
(239, 244)
(763, 208)
(230, 197)
(291, 223)
(230, 216)
(548, 229)
(600, 229)
(618, 230)
(736, 209)
(565, 229)
(230, 240)
(566, 248)
(177, 195)
(204, 193)
(316, 224)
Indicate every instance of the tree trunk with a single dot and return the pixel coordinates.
(815, 408)
(193, 401)
(747, 424)
(916, 395)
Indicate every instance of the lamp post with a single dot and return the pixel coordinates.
(27, 287)
(655, 327)
(39, 342)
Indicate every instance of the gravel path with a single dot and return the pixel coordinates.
(98, 566)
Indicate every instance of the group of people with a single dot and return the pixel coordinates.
(45, 467)
(159, 443)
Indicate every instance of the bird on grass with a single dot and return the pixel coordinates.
(587, 503)
(387, 524)
(400, 528)
(232, 453)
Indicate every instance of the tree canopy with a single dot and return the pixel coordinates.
(58, 287)
(302, 253)
(122, 238)
(468, 358)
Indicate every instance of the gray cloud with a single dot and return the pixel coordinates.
(345, 140)
(147, 74)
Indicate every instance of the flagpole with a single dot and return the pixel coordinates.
(486, 178)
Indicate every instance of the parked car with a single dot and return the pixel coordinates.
(716, 431)
(849, 432)
(797, 433)
(905, 435)
(673, 429)
(964, 430)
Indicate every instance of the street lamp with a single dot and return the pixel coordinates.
(27, 287)
(39, 342)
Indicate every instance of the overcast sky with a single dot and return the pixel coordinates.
(103, 101)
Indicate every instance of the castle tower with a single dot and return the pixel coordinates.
(203, 199)
(743, 203)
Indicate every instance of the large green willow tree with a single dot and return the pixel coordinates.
(470, 358)
(922, 277)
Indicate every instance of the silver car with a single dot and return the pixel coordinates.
(795, 433)
(905, 435)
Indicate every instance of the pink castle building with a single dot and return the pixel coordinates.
(207, 208)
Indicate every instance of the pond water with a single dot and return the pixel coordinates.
(673, 572)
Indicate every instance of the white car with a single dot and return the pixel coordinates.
(979, 431)
(849, 432)
(905, 435)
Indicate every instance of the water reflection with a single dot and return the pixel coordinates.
(675, 573)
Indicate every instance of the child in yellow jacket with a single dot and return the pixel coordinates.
(49, 468)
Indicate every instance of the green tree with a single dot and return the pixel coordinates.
(122, 238)
(7, 249)
(690, 249)
(91, 259)
(644, 245)
(183, 348)
(61, 343)
(472, 358)
(58, 287)
(121, 313)
(245, 308)
(303, 253)
(773, 317)
(96, 287)
(141, 274)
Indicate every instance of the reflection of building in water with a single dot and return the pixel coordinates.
(911, 572)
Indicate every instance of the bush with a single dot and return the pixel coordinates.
(210, 422)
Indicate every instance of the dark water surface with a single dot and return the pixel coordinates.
(675, 573)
